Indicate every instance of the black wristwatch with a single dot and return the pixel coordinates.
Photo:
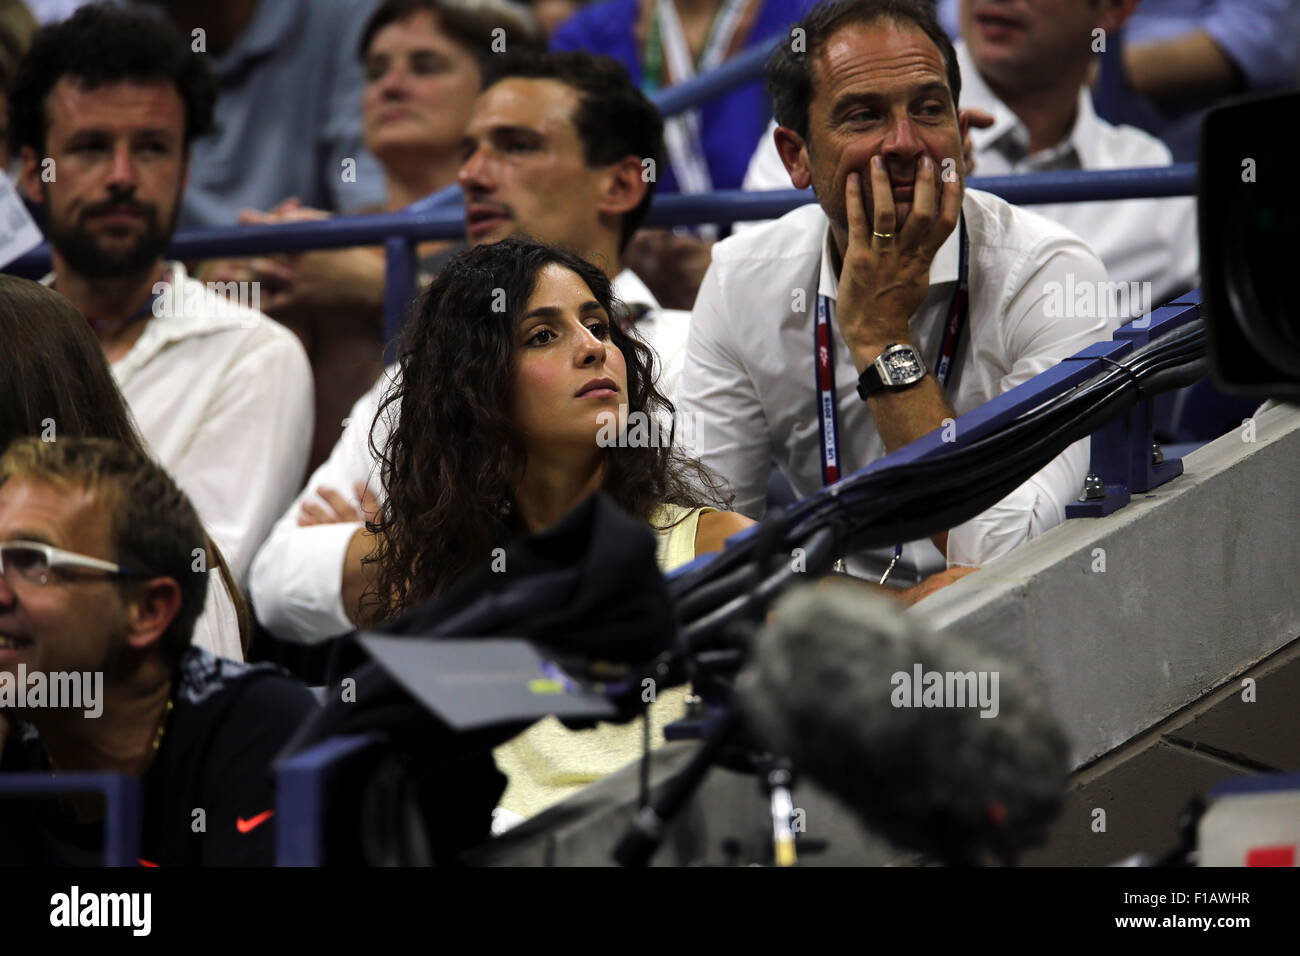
(897, 367)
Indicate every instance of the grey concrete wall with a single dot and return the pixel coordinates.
(1201, 581)
(1144, 785)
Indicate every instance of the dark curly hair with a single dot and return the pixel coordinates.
(103, 43)
(789, 70)
(454, 454)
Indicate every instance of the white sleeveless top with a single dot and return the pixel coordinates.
(549, 762)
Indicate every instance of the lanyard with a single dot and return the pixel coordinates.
(667, 42)
(667, 39)
(824, 353)
(827, 408)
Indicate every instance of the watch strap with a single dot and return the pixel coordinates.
(871, 381)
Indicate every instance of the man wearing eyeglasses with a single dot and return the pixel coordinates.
(100, 574)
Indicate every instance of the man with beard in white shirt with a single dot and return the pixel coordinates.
(557, 149)
(845, 330)
(104, 109)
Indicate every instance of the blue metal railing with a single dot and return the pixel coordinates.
(400, 231)
(444, 221)
(439, 216)
(737, 71)
(302, 785)
(121, 805)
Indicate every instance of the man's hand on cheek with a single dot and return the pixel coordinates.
(886, 271)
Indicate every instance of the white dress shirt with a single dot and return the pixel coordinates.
(297, 576)
(1139, 240)
(223, 398)
(749, 378)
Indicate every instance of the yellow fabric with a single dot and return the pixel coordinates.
(548, 762)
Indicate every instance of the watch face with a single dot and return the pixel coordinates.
(902, 366)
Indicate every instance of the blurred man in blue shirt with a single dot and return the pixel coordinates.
(288, 116)
(1180, 56)
(665, 42)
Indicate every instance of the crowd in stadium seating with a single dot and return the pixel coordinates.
(160, 420)
(421, 75)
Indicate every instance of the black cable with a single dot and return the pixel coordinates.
(966, 494)
(1042, 420)
(964, 477)
(1000, 445)
(646, 832)
(1163, 349)
(901, 503)
(818, 557)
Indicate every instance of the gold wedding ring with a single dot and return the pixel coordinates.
(882, 235)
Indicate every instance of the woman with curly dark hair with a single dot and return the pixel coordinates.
(511, 378)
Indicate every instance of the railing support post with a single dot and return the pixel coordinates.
(399, 290)
(1125, 458)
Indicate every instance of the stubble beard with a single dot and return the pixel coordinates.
(88, 256)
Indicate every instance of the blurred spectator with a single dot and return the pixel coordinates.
(52, 11)
(55, 383)
(554, 151)
(1028, 66)
(551, 13)
(105, 108)
(97, 585)
(423, 61)
(663, 43)
(287, 114)
(16, 28)
(1031, 73)
(1180, 56)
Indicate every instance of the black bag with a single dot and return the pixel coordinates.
(588, 589)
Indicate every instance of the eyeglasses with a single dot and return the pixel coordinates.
(37, 563)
